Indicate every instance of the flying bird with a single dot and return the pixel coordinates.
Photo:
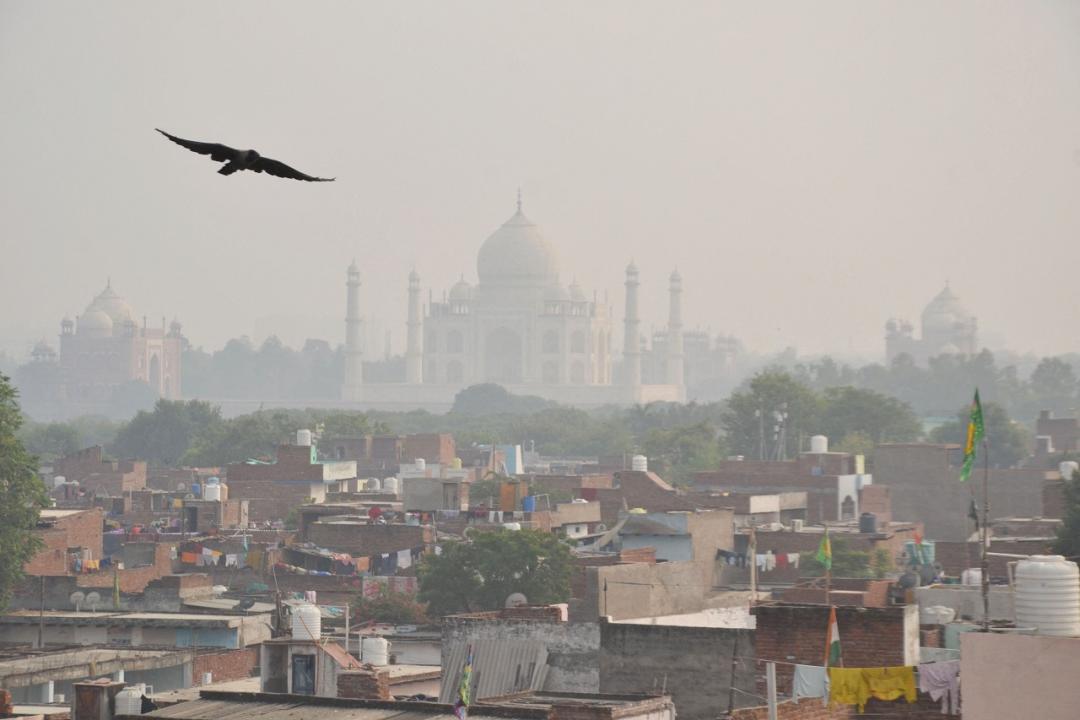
(242, 160)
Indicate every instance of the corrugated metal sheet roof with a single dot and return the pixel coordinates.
(208, 709)
(500, 667)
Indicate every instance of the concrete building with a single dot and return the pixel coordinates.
(947, 329)
(521, 327)
(1008, 675)
(135, 628)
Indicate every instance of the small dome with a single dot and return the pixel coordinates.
(944, 312)
(112, 305)
(517, 254)
(461, 292)
(43, 351)
(576, 293)
(95, 323)
(556, 293)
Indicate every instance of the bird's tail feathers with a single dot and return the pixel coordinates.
(228, 168)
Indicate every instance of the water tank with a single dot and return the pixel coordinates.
(971, 576)
(212, 492)
(819, 444)
(303, 437)
(868, 523)
(375, 650)
(306, 623)
(1048, 595)
(936, 615)
(1068, 468)
(196, 489)
(421, 464)
(512, 526)
(391, 485)
(797, 524)
(60, 480)
(528, 503)
(214, 480)
(455, 464)
(639, 463)
(373, 484)
(129, 701)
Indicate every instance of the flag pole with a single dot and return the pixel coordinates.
(985, 566)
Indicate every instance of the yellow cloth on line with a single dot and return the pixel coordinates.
(848, 686)
(891, 683)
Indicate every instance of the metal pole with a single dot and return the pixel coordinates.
(731, 687)
(752, 559)
(770, 682)
(985, 566)
(346, 628)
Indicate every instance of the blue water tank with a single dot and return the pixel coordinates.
(196, 489)
(528, 504)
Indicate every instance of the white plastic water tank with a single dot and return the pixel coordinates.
(375, 650)
(60, 480)
(512, 526)
(1068, 468)
(391, 485)
(213, 480)
(971, 576)
(212, 492)
(819, 444)
(306, 623)
(1048, 595)
(797, 524)
(303, 437)
(639, 463)
(936, 615)
(421, 464)
(129, 701)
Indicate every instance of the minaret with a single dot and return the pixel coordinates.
(414, 359)
(354, 358)
(675, 336)
(631, 334)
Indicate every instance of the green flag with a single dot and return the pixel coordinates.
(975, 432)
(824, 551)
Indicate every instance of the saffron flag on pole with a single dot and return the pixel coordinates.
(832, 642)
(824, 552)
(975, 430)
(461, 707)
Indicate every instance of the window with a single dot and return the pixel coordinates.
(454, 371)
(550, 342)
(577, 342)
(454, 342)
(432, 342)
(577, 373)
(549, 373)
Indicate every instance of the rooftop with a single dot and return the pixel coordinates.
(71, 617)
(25, 667)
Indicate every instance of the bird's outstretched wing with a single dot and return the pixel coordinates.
(280, 169)
(216, 151)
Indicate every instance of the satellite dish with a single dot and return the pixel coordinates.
(93, 600)
(76, 598)
(516, 600)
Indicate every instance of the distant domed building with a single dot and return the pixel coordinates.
(101, 351)
(519, 326)
(947, 329)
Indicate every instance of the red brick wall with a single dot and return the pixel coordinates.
(869, 637)
(359, 539)
(877, 499)
(132, 580)
(1053, 499)
(811, 709)
(226, 665)
(82, 529)
(433, 447)
(51, 559)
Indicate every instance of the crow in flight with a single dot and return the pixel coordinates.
(242, 160)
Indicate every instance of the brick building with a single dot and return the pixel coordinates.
(94, 473)
(64, 532)
(297, 477)
(358, 537)
(923, 479)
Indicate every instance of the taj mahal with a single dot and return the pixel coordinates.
(519, 326)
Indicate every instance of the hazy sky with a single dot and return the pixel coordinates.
(811, 168)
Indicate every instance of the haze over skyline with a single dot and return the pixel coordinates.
(811, 170)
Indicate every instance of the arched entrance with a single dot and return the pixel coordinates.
(155, 374)
(502, 356)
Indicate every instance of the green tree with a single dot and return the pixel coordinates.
(772, 400)
(164, 435)
(49, 440)
(1008, 439)
(846, 563)
(481, 573)
(1053, 386)
(1068, 535)
(23, 494)
(389, 606)
(492, 399)
(678, 452)
(848, 410)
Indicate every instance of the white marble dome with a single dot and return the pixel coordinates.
(517, 254)
(95, 323)
(112, 305)
(944, 312)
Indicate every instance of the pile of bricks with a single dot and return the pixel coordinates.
(368, 683)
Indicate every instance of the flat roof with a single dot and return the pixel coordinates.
(55, 513)
(36, 667)
(267, 706)
(71, 617)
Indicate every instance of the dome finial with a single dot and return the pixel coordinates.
(519, 199)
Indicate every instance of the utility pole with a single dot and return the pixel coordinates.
(985, 565)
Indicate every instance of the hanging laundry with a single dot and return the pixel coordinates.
(404, 559)
(941, 681)
(770, 561)
(760, 561)
(891, 683)
(793, 559)
(189, 558)
(781, 561)
(810, 681)
(848, 686)
(172, 552)
(230, 561)
(363, 564)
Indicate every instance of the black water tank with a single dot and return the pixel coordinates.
(868, 523)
